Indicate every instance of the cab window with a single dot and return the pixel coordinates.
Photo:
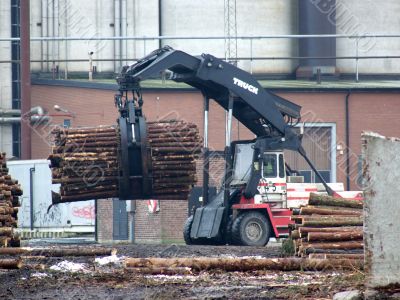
(269, 165)
(281, 166)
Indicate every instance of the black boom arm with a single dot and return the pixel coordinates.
(262, 112)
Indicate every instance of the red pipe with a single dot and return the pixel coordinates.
(25, 80)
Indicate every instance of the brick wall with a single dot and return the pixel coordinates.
(103, 217)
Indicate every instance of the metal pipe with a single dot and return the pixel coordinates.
(96, 225)
(229, 122)
(31, 171)
(25, 79)
(17, 120)
(117, 34)
(10, 120)
(239, 58)
(123, 30)
(347, 118)
(159, 22)
(206, 168)
(243, 37)
(10, 112)
(42, 33)
(357, 40)
(66, 42)
(53, 65)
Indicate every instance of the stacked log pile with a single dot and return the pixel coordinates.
(175, 145)
(85, 161)
(10, 191)
(328, 228)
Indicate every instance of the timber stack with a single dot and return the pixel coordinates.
(85, 161)
(10, 191)
(175, 146)
(328, 228)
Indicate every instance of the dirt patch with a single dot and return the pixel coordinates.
(93, 281)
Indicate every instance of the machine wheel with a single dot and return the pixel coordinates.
(251, 228)
(186, 231)
(228, 232)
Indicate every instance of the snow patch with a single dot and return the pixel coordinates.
(113, 259)
(39, 275)
(67, 266)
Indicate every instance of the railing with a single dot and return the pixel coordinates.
(250, 39)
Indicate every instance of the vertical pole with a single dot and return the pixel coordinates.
(228, 163)
(96, 225)
(25, 81)
(66, 35)
(347, 117)
(251, 56)
(206, 167)
(31, 200)
(90, 66)
(357, 60)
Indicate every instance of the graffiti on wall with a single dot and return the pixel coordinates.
(85, 212)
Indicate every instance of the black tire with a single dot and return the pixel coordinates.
(186, 231)
(228, 231)
(251, 228)
(201, 241)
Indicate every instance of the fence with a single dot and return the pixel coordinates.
(250, 40)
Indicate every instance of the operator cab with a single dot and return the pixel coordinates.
(272, 185)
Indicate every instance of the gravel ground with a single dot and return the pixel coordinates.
(93, 281)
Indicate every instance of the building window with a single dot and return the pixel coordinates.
(67, 123)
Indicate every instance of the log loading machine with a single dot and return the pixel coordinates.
(251, 206)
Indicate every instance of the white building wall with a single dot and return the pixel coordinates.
(368, 17)
(204, 18)
(5, 74)
(141, 18)
(268, 17)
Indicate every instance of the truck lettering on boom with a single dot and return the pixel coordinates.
(245, 85)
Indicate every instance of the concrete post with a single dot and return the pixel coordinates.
(381, 209)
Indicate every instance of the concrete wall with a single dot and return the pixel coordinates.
(5, 75)
(141, 18)
(368, 17)
(382, 223)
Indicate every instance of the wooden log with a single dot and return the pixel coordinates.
(294, 234)
(333, 251)
(316, 199)
(244, 264)
(88, 196)
(336, 256)
(4, 210)
(6, 231)
(334, 236)
(161, 271)
(337, 208)
(348, 245)
(59, 252)
(310, 210)
(10, 263)
(303, 231)
(334, 221)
